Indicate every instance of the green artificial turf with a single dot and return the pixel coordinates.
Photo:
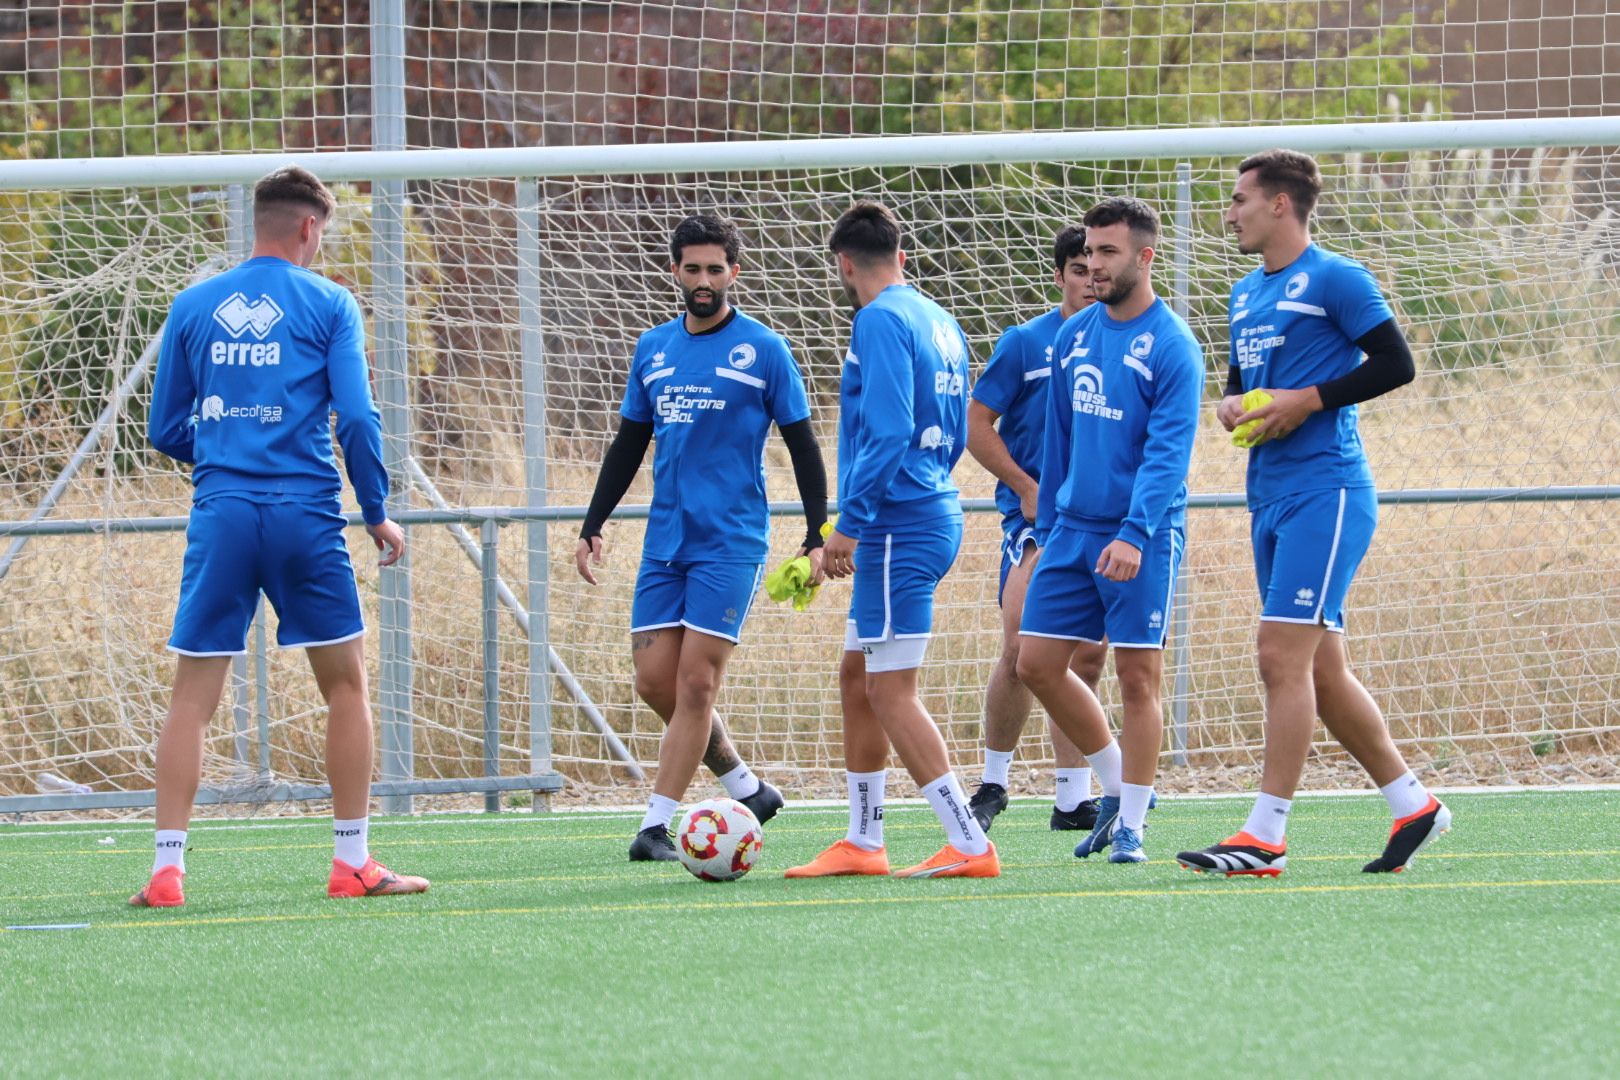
(540, 951)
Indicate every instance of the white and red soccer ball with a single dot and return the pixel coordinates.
(718, 840)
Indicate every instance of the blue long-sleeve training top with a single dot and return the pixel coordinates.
(252, 364)
(1120, 423)
(902, 422)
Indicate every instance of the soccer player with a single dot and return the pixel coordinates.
(1013, 390)
(902, 426)
(1127, 381)
(1300, 324)
(707, 385)
(252, 365)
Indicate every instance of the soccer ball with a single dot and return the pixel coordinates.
(718, 840)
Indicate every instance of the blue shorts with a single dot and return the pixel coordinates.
(1014, 540)
(1068, 599)
(292, 549)
(709, 597)
(1307, 549)
(896, 574)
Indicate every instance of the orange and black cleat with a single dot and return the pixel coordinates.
(372, 879)
(1242, 855)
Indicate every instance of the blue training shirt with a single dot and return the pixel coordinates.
(711, 399)
(1293, 329)
(252, 364)
(1120, 422)
(1015, 384)
(902, 422)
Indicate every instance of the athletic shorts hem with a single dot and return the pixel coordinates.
(654, 626)
(706, 630)
(1297, 622)
(1057, 637)
(906, 637)
(317, 644)
(189, 652)
(1138, 645)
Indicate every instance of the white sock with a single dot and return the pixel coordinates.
(996, 763)
(1133, 805)
(660, 811)
(740, 782)
(1108, 763)
(1073, 788)
(1268, 821)
(950, 805)
(171, 849)
(349, 841)
(1405, 794)
(866, 808)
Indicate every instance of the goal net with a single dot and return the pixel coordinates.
(1483, 621)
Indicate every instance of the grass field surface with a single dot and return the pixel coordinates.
(541, 951)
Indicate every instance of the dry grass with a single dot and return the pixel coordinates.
(1487, 631)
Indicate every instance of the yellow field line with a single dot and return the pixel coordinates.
(1257, 889)
(1429, 855)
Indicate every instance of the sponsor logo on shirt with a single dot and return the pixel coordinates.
(1088, 394)
(239, 317)
(1255, 343)
(934, 437)
(1296, 285)
(681, 404)
(742, 356)
(214, 408)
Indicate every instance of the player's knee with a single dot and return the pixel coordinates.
(1034, 672)
(1281, 665)
(1089, 667)
(698, 683)
(1137, 683)
(1009, 659)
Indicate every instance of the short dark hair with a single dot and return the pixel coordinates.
(291, 187)
(705, 229)
(1069, 243)
(1141, 218)
(1288, 172)
(866, 232)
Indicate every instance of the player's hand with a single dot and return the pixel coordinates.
(1119, 561)
(1228, 411)
(588, 552)
(390, 540)
(817, 556)
(838, 555)
(1286, 411)
(1029, 502)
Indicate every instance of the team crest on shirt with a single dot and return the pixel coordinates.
(239, 317)
(1141, 345)
(948, 343)
(742, 356)
(1296, 285)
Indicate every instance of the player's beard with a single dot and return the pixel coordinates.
(1119, 286)
(704, 309)
(853, 297)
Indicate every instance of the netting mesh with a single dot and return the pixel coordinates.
(1486, 631)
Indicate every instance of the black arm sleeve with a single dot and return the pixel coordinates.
(618, 470)
(1389, 364)
(811, 475)
(1234, 381)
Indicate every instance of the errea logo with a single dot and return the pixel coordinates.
(949, 344)
(1296, 285)
(742, 356)
(1305, 598)
(239, 317)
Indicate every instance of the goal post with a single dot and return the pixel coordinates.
(1484, 620)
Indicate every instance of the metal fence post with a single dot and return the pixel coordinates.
(489, 534)
(1181, 609)
(532, 350)
(395, 674)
